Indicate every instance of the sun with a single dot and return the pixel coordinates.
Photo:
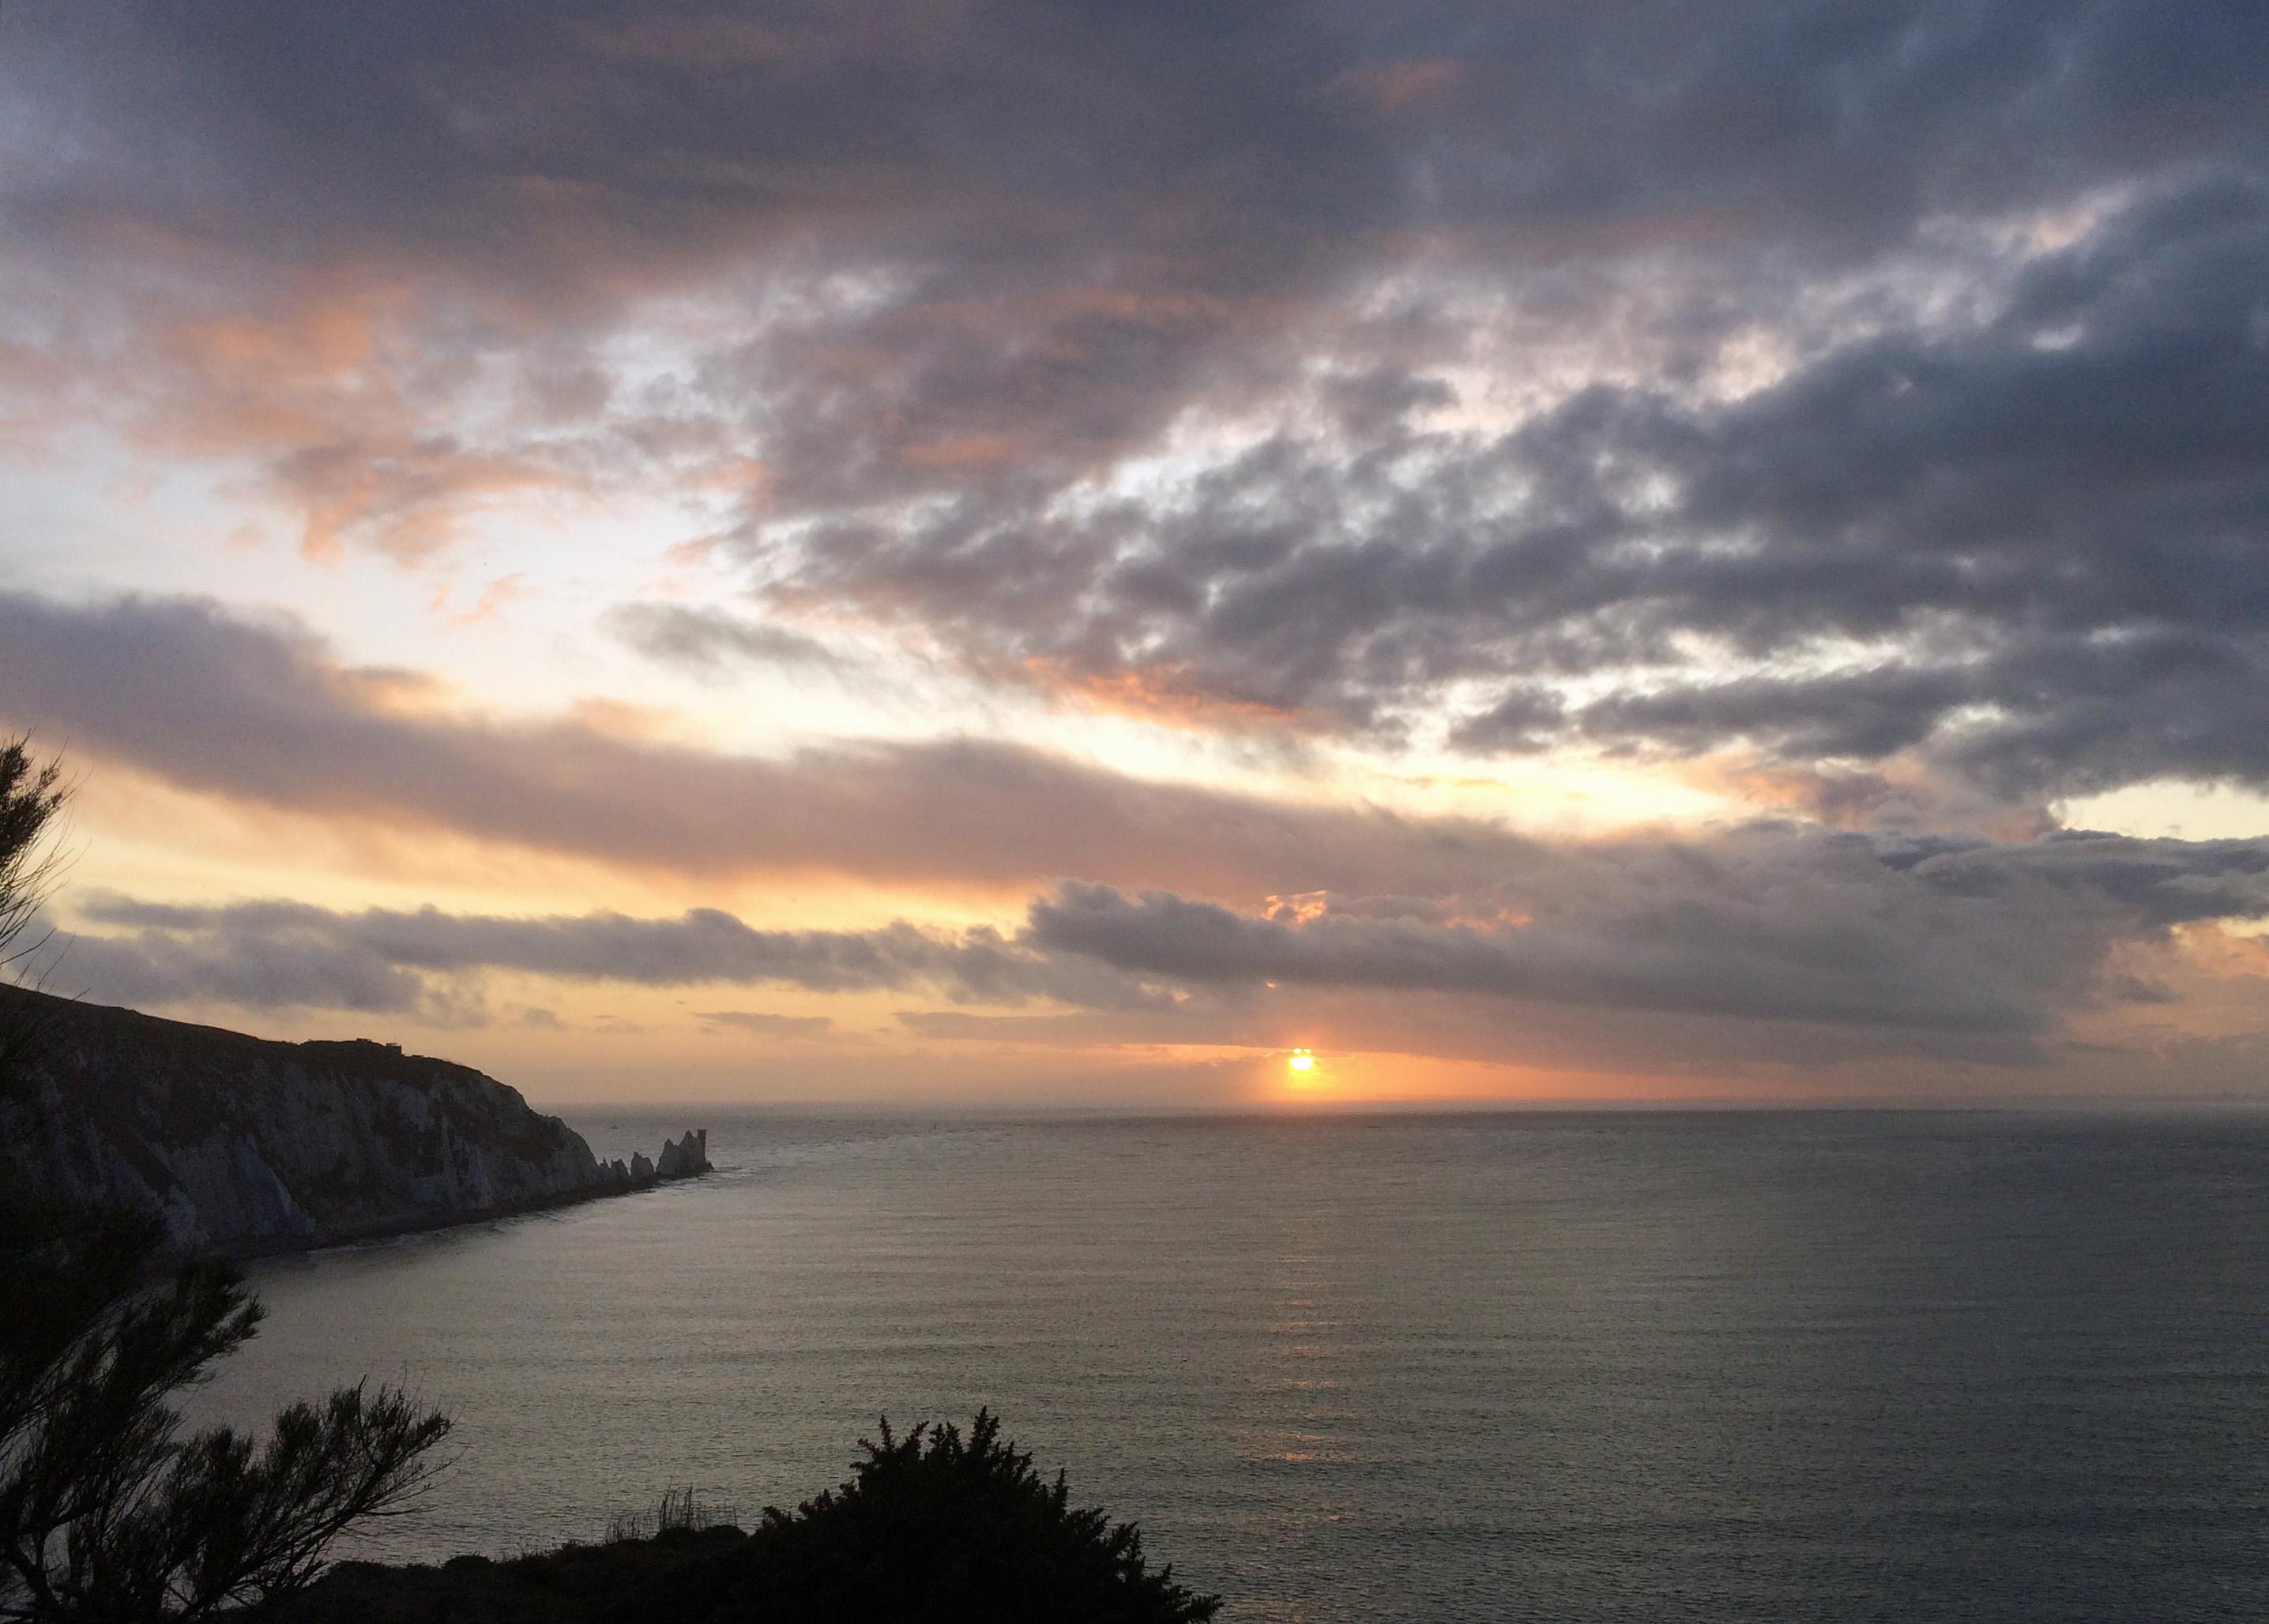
(1301, 1060)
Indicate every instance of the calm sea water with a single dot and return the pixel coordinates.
(1631, 1367)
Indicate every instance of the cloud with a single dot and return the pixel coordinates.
(1922, 948)
(287, 965)
(2022, 546)
(764, 1025)
(708, 641)
(269, 954)
(512, 146)
(1767, 924)
(260, 711)
(1841, 389)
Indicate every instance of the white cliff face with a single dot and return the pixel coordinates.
(238, 1144)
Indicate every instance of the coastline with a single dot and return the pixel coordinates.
(399, 1229)
(240, 1147)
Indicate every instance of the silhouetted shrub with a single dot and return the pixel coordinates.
(934, 1526)
(107, 1512)
(32, 798)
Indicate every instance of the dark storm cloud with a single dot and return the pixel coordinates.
(1928, 948)
(261, 712)
(944, 271)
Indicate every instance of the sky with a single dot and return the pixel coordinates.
(1057, 554)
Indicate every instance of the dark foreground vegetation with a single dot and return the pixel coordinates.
(932, 1525)
(110, 1513)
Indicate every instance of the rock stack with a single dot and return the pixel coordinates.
(685, 1158)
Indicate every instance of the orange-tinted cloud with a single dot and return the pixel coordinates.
(262, 713)
(1168, 696)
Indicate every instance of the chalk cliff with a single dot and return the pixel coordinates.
(242, 1144)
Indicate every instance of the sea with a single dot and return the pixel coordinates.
(1642, 1366)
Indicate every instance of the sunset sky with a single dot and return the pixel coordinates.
(1059, 553)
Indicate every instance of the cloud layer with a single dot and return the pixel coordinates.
(1841, 390)
(1963, 948)
(261, 712)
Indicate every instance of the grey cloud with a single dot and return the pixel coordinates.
(1866, 714)
(1523, 718)
(269, 954)
(710, 641)
(2047, 525)
(1772, 943)
(261, 712)
(702, 945)
(273, 968)
(965, 267)
(1769, 924)
(494, 138)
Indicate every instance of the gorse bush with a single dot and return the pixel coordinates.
(936, 1526)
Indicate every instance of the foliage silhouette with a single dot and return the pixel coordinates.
(32, 796)
(107, 1512)
(936, 1526)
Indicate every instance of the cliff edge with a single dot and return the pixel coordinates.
(241, 1145)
